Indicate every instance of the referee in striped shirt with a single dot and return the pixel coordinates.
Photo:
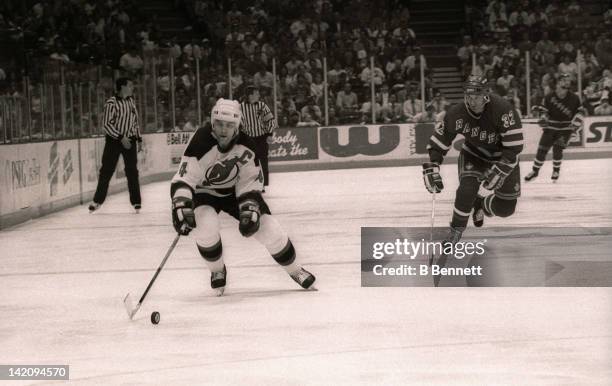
(122, 138)
(258, 122)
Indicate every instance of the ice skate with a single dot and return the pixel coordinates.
(93, 206)
(217, 281)
(303, 278)
(478, 214)
(555, 176)
(137, 208)
(532, 175)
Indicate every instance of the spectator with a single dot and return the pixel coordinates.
(366, 110)
(131, 62)
(346, 100)
(603, 50)
(60, 54)
(249, 45)
(604, 107)
(547, 47)
(503, 82)
(307, 120)
(429, 115)
(466, 50)
(263, 79)
(412, 105)
(316, 87)
(333, 75)
(439, 102)
(367, 74)
(392, 110)
(311, 109)
(567, 67)
(293, 64)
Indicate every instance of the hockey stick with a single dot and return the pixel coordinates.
(433, 216)
(127, 301)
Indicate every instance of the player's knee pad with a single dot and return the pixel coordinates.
(206, 232)
(212, 253)
(271, 234)
(504, 208)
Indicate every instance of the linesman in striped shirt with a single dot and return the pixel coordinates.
(489, 156)
(258, 122)
(122, 138)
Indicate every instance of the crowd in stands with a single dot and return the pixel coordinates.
(300, 36)
(561, 37)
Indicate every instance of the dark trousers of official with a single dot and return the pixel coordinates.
(261, 150)
(112, 149)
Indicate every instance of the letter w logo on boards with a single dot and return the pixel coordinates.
(358, 142)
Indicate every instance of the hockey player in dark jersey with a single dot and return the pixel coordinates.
(219, 171)
(561, 115)
(489, 156)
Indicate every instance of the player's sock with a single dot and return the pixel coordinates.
(460, 218)
(556, 170)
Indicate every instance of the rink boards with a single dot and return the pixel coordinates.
(40, 178)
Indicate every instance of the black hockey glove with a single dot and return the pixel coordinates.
(183, 217)
(495, 176)
(249, 217)
(432, 178)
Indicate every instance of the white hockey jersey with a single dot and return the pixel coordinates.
(206, 169)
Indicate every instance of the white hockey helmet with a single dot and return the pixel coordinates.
(226, 110)
(225, 120)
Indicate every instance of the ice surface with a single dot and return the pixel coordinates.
(63, 277)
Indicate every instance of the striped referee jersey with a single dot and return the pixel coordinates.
(257, 119)
(121, 118)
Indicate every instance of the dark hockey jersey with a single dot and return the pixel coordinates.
(207, 169)
(496, 135)
(561, 114)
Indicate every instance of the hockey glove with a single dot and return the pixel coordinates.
(495, 176)
(432, 178)
(183, 217)
(249, 217)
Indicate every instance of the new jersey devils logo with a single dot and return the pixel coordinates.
(225, 171)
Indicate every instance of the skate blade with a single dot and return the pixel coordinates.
(312, 288)
(219, 291)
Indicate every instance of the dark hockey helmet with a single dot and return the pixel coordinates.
(475, 85)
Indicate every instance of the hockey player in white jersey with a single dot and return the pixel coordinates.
(220, 172)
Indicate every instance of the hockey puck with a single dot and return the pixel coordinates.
(155, 317)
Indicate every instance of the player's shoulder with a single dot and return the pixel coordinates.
(575, 98)
(499, 105)
(201, 142)
(456, 111)
(246, 141)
